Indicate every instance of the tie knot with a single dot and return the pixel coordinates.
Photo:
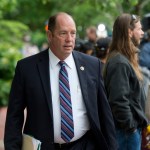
(62, 63)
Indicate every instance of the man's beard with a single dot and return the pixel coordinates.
(135, 41)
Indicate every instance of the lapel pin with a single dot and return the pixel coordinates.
(82, 68)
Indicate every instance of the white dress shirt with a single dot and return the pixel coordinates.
(80, 119)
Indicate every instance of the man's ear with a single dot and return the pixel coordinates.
(130, 33)
(49, 35)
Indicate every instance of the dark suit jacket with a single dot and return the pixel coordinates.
(31, 90)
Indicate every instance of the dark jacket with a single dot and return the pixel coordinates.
(144, 55)
(125, 93)
(31, 90)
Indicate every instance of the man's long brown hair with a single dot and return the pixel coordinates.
(122, 43)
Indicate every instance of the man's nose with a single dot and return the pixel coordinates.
(69, 37)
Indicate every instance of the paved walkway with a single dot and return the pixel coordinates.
(2, 124)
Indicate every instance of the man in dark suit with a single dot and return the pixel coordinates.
(36, 87)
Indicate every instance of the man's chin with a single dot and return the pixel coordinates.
(68, 50)
(136, 42)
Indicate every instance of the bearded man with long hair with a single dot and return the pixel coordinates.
(123, 82)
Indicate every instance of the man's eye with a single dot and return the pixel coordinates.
(62, 33)
(73, 34)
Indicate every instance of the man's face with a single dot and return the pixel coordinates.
(62, 39)
(137, 34)
(91, 35)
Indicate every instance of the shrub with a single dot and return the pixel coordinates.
(11, 34)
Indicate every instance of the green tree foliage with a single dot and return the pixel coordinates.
(35, 14)
(11, 33)
(86, 12)
(8, 6)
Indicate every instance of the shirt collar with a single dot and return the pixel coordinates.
(54, 60)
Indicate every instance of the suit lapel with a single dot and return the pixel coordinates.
(43, 66)
(90, 102)
(82, 74)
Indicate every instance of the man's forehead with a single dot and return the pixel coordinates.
(138, 24)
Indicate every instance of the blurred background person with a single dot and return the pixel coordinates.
(145, 52)
(87, 48)
(29, 48)
(78, 44)
(91, 37)
(144, 60)
(102, 49)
